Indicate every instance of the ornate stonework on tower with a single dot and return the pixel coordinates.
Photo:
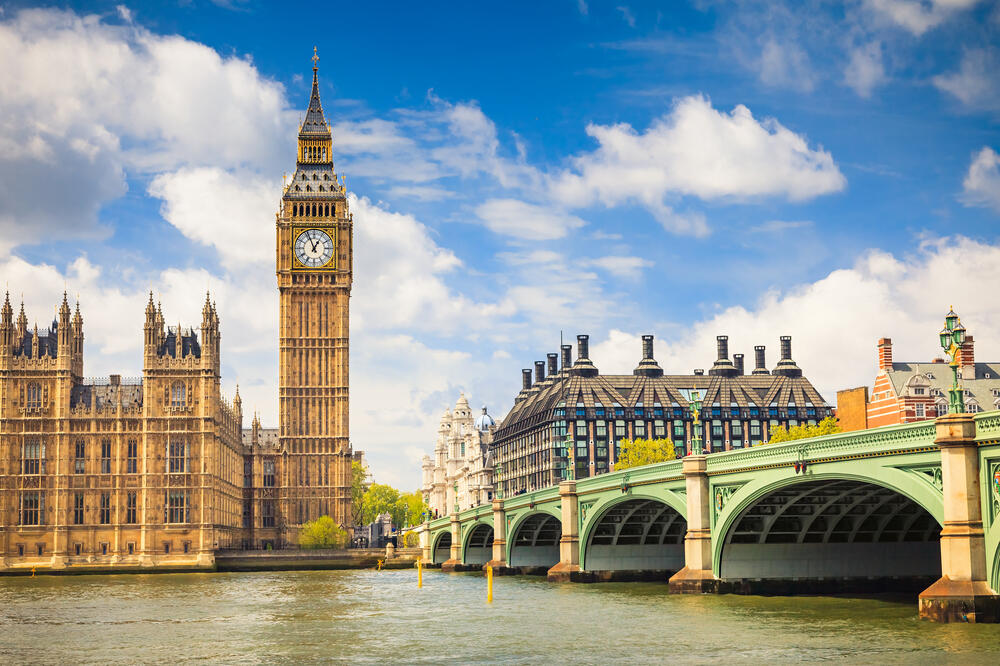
(314, 269)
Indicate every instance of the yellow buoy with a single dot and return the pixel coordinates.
(489, 584)
(420, 573)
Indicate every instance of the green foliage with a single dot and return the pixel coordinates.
(638, 452)
(411, 539)
(378, 499)
(827, 426)
(415, 508)
(358, 474)
(322, 533)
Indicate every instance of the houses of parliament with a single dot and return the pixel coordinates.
(158, 471)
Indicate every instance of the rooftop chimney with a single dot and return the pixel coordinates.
(699, 371)
(760, 367)
(539, 371)
(567, 356)
(525, 379)
(885, 353)
(738, 362)
(786, 366)
(967, 358)
(723, 366)
(648, 367)
(553, 363)
(583, 366)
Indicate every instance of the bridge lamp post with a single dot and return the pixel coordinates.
(952, 338)
(695, 402)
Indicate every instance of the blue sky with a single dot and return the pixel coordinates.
(819, 169)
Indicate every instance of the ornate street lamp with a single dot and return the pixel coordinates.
(695, 403)
(952, 337)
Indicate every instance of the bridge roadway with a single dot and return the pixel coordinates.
(908, 507)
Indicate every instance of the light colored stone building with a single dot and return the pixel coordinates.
(460, 475)
(113, 472)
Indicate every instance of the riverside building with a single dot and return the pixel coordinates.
(568, 421)
(158, 470)
(460, 475)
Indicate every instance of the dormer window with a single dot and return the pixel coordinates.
(298, 189)
(315, 177)
(929, 375)
(326, 176)
(309, 188)
(305, 177)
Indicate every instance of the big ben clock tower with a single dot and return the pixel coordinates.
(314, 268)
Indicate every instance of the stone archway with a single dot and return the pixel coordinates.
(535, 543)
(479, 545)
(636, 535)
(442, 548)
(832, 533)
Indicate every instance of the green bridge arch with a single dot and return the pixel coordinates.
(591, 517)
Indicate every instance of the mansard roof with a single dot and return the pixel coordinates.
(630, 391)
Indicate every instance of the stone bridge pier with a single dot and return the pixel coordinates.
(962, 594)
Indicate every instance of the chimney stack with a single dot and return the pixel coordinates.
(760, 366)
(967, 358)
(567, 356)
(738, 362)
(583, 367)
(885, 354)
(553, 364)
(786, 366)
(648, 367)
(539, 371)
(723, 366)
(525, 379)
(699, 372)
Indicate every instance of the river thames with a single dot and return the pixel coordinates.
(368, 616)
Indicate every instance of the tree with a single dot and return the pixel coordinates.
(637, 452)
(322, 533)
(358, 474)
(378, 499)
(827, 426)
(411, 539)
(415, 508)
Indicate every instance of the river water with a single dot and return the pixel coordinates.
(372, 617)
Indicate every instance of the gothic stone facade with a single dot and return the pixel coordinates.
(115, 472)
(568, 424)
(314, 271)
(461, 473)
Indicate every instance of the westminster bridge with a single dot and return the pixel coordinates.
(903, 507)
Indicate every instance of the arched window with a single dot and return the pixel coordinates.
(178, 395)
(315, 177)
(33, 397)
(309, 188)
(305, 177)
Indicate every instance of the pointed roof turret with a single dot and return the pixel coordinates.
(8, 311)
(315, 122)
(22, 319)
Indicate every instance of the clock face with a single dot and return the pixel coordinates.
(314, 248)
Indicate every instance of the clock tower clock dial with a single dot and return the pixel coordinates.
(315, 272)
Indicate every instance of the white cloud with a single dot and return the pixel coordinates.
(865, 71)
(526, 221)
(85, 101)
(224, 210)
(836, 321)
(627, 15)
(919, 16)
(697, 151)
(399, 277)
(779, 226)
(977, 82)
(982, 183)
(785, 64)
(627, 268)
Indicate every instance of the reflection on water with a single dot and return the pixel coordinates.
(368, 616)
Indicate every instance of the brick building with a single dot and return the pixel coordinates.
(567, 422)
(904, 392)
